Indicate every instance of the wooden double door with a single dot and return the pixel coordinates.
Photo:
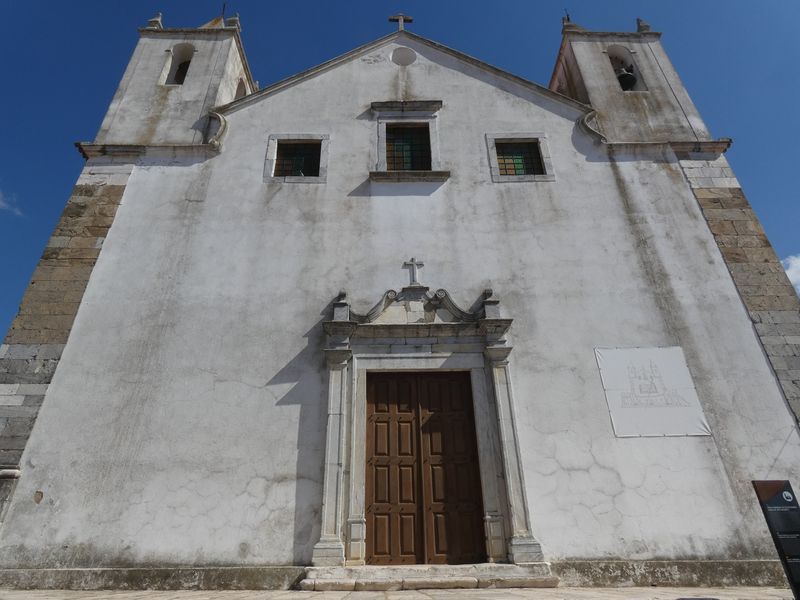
(423, 491)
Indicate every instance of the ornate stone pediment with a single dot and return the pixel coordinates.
(415, 312)
(416, 305)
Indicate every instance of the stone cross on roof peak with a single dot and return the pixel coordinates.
(401, 20)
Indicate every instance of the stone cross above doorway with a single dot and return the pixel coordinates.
(413, 267)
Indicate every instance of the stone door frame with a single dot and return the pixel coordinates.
(413, 339)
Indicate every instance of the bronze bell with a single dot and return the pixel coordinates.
(626, 78)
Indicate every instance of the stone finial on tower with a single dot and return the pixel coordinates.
(155, 22)
(568, 25)
(233, 22)
(642, 26)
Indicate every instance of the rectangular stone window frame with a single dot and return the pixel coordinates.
(492, 139)
(392, 117)
(272, 153)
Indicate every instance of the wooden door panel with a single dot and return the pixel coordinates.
(392, 486)
(450, 477)
(423, 492)
(408, 484)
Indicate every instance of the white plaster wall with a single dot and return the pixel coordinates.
(232, 71)
(185, 423)
(146, 111)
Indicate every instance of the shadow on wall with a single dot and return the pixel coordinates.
(369, 188)
(307, 371)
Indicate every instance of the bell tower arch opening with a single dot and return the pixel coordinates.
(625, 70)
(179, 61)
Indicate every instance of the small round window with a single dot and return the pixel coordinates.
(403, 56)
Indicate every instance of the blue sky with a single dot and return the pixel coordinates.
(63, 61)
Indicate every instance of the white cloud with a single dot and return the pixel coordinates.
(792, 266)
(9, 203)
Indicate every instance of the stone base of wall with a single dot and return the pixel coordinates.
(175, 578)
(572, 573)
(672, 573)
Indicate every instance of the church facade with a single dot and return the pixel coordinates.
(403, 316)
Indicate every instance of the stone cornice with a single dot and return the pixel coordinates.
(588, 124)
(91, 150)
(703, 146)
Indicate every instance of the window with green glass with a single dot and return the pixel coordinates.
(519, 158)
(408, 147)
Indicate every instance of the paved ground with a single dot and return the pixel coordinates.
(549, 594)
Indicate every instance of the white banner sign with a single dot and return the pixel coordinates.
(650, 392)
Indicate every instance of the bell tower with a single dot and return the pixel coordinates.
(628, 78)
(173, 79)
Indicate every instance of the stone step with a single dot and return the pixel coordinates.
(418, 577)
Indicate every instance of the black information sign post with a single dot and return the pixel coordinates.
(782, 513)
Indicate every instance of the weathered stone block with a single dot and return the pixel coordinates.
(751, 227)
(50, 351)
(728, 214)
(10, 457)
(771, 303)
(736, 255)
(438, 583)
(49, 308)
(22, 351)
(16, 400)
(28, 389)
(735, 201)
(753, 241)
(16, 427)
(779, 350)
(111, 192)
(727, 241)
(70, 253)
(714, 202)
(75, 208)
(58, 242)
(82, 242)
(334, 585)
(83, 190)
(721, 227)
(33, 400)
(760, 254)
(713, 193)
(13, 442)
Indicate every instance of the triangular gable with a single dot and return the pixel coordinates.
(399, 35)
